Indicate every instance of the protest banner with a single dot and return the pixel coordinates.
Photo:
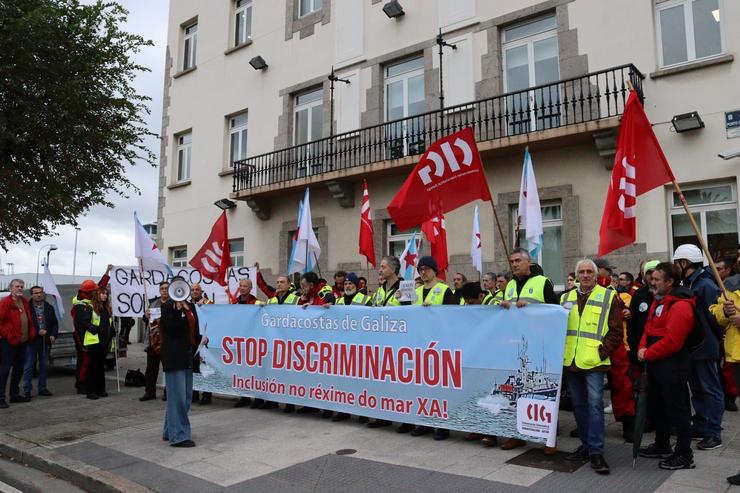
(472, 368)
(127, 286)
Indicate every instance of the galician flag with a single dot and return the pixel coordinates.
(307, 249)
(408, 259)
(530, 214)
(146, 251)
(295, 238)
(50, 287)
(476, 256)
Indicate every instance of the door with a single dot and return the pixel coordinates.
(404, 97)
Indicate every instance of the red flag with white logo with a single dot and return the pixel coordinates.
(214, 257)
(367, 248)
(448, 176)
(436, 232)
(639, 166)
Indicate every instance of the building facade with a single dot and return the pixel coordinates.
(251, 115)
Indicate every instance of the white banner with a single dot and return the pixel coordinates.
(127, 286)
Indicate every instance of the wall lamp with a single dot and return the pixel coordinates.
(393, 9)
(225, 204)
(687, 121)
(258, 63)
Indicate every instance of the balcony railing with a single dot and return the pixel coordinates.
(566, 102)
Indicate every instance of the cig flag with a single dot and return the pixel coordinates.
(214, 257)
(146, 251)
(367, 248)
(409, 258)
(530, 214)
(307, 249)
(476, 256)
(50, 287)
(639, 166)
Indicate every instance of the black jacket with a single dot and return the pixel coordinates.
(177, 351)
(639, 310)
(50, 321)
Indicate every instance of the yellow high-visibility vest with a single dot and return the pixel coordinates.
(435, 296)
(357, 299)
(586, 330)
(533, 290)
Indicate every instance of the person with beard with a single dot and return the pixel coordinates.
(338, 288)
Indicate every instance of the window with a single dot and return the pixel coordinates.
(242, 21)
(404, 97)
(308, 6)
(184, 152)
(714, 208)
(398, 241)
(688, 30)
(237, 138)
(307, 127)
(179, 256)
(531, 59)
(550, 256)
(190, 46)
(237, 252)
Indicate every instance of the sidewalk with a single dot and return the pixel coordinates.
(115, 444)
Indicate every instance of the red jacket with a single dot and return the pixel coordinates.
(671, 319)
(10, 321)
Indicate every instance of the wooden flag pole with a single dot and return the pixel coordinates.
(500, 232)
(697, 232)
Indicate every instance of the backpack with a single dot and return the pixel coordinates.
(134, 378)
(704, 326)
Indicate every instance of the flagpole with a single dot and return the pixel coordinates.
(500, 230)
(697, 231)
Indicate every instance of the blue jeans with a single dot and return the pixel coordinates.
(707, 398)
(36, 351)
(587, 395)
(179, 386)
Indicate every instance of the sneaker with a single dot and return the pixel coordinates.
(580, 454)
(675, 462)
(609, 409)
(45, 393)
(653, 451)
(599, 465)
(734, 479)
(146, 397)
(441, 434)
(730, 404)
(184, 444)
(421, 430)
(709, 444)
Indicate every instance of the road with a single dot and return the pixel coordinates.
(15, 477)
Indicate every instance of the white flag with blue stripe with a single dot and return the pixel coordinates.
(530, 213)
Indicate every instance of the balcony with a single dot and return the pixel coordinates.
(568, 110)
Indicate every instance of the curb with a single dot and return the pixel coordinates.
(84, 476)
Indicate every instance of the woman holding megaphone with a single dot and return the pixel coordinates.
(180, 333)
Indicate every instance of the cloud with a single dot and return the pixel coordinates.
(109, 231)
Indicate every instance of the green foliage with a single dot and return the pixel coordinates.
(71, 122)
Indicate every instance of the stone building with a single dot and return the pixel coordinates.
(250, 116)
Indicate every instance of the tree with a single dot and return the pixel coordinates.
(71, 123)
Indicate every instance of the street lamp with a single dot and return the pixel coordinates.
(51, 247)
(74, 258)
(92, 256)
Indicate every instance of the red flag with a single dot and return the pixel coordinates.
(367, 248)
(639, 166)
(436, 232)
(448, 176)
(214, 257)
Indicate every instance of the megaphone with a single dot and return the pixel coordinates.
(179, 289)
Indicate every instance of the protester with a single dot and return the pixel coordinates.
(352, 294)
(16, 331)
(282, 295)
(727, 314)
(624, 282)
(594, 333)
(706, 388)
(179, 324)
(669, 323)
(621, 384)
(245, 297)
(45, 322)
(432, 292)
(338, 288)
(86, 291)
(127, 323)
(639, 311)
(502, 280)
(457, 283)
(570, 281)
(199, 298)
(473, 295)
(362, 285)
(96, 320)
(729, 389)
(524, 288)
(152, 357)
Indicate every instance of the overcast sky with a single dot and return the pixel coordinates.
(109, 231)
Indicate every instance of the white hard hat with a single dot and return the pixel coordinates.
(688, 252)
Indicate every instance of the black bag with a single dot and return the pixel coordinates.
(134, 378)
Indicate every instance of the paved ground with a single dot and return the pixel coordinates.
(115, 444)
(15, 477)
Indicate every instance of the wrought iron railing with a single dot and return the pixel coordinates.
(566, 102)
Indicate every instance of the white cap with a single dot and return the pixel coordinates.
(688, 252)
